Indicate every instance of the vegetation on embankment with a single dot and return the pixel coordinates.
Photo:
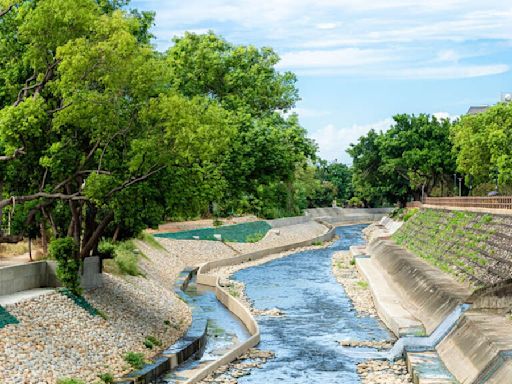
(474, 247)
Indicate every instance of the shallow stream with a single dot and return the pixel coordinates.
(317, 315)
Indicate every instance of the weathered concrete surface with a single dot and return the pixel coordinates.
(24, 295)
(287, 221)
(429, 294)
(497, 297)
(472, 350)
(388, 302)
(337, 215)
(503, 375)
(427, 368)
(41, 274)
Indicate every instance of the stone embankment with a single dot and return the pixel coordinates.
(57, 339)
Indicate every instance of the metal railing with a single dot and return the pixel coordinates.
(491, 202)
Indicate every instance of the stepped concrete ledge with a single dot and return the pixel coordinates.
(479, 349)
(387, 301)
(428, 294)
(427, 368)
(18, 297)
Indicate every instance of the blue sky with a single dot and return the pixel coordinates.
(359, 62)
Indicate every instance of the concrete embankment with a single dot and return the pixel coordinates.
(478, 349)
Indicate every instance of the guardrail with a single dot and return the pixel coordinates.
(491, 202)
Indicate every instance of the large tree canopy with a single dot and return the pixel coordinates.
(101, 135)
(483, 144)
(412, 157)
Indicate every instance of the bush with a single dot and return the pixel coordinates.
(64, 252)
(355, 202)
(70, 381)
(127, 259)
(106, 249)
(135, 359)
(107, 378)
(217, 223)
(151, 342)
(409, 213)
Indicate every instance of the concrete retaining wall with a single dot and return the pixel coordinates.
(287, 221)
(41, 274)
(432, 294)
(476, 351)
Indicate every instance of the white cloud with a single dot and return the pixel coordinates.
(326, 26)
(445, 115)
(345, 57)
(333, 141)
(451, 72)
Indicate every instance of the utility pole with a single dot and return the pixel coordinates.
(460, 186)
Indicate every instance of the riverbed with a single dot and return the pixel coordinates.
(317, 315)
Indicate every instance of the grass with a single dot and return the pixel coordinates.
(362, 284)
(255, 237)
(150, 240)
(8, 250)
(126, 258)
(317, 243)
(135, 359)
(70, 381)
(233, 292)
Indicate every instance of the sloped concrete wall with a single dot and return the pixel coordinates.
(432, 294)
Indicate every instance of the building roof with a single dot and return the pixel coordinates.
(477, 109)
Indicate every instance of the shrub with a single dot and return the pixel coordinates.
(127, 259)
(151, 342)
(64, 252)
(70, 381)
(355, 202)
(409, 213)
(107, 378)
(135, 359)
(217, 222)
(106, 249)
(150, 240)
(254, 237)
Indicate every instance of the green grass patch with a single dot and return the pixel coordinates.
(6, 318)
(238, 233)
(135, 359)
(126, 258)
(150, 240)
(362, 284)
(70, 381)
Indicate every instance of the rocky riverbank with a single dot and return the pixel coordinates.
(57, 339)
(371, 371)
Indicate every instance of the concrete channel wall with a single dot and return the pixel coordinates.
(41, 274)
(235, 306)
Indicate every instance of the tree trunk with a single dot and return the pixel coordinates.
(44, 238)
(96, 236)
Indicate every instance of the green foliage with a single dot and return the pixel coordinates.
(150, 239)
(70, 381)
(64, 251)
(127, 258)
(106, 249)
(150, 342)
(393, 166)
(355, 202)
(107, 378)
(217, 222)
(255, 237)
(482, 144)
(135, 359)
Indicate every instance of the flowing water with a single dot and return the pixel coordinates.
(318, 314)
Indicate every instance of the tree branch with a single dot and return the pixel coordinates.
(17, 153)
(6, 11)
(40, 195)
(135, 180)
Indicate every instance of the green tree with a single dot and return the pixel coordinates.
(483, 145)
(412, 157)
